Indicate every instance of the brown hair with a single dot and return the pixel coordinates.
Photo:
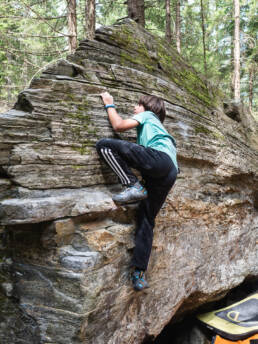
(154, 104)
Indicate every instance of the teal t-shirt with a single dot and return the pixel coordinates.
(151, 133)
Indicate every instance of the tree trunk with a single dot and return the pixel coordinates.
(251, 80)
(232, 66)
(90, 18)
(178, 23)
(236, 77)
(8, 79)
(136, 11)
(203, 39)
(168, 22)
(25, 70)
(72, 24)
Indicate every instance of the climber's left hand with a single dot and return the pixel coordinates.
(107, 98)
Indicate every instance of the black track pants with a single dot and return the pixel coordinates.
(159, 174)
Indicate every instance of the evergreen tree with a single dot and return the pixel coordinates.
(168, 22)
(204, 39)
(236, 75)
(249, 54)
(72, 24)
(178, 25)
(136, 11)
(32, 34)
(90, 19)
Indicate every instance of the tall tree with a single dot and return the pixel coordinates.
(249, 55)
(178, 26)
(136, 11)
(203, 39)
(251, 86)
(90, 18)
(72, 24)
(168, 22)
(236, 75)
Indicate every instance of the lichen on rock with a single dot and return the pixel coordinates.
(65, 247)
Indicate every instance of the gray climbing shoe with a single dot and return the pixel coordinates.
(139, 281)
(131, 194)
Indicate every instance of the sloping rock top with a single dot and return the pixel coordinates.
(69, 246)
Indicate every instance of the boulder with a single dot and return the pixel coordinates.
(66, 248)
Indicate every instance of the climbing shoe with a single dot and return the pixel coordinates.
(139, 281)
(131, 194)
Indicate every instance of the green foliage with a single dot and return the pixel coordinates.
(109, 11)
(219, 27)
(30, 40)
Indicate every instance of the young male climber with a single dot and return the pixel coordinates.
(154, 156)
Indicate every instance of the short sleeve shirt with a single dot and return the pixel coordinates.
(151, 133)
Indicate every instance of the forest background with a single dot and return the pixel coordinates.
(217, 37)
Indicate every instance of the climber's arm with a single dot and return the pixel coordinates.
(117, 122)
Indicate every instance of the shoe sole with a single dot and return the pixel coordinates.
(126, 207)
(130, 202)
(145, 290)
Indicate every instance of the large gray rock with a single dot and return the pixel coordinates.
(66, 248)
(37, 206)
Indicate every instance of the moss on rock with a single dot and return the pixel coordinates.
(156, 56)
(204, 130)
(80, 122)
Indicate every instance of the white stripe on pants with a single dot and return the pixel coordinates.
(112, 162)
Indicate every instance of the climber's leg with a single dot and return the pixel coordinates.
(118, 155)
(159, 174)
(114, 153)
(148, 210)
(158, 190)
(121, 155)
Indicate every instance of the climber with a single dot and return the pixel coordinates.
(154, 156)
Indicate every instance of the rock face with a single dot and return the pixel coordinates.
(66, 248)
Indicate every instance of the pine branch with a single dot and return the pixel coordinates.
(14, 34)
(14, 86)
(38, 3)
(31, 18)
(12, 51)
(34, 53)
(39, 17)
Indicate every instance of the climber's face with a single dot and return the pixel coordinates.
(138, 109)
